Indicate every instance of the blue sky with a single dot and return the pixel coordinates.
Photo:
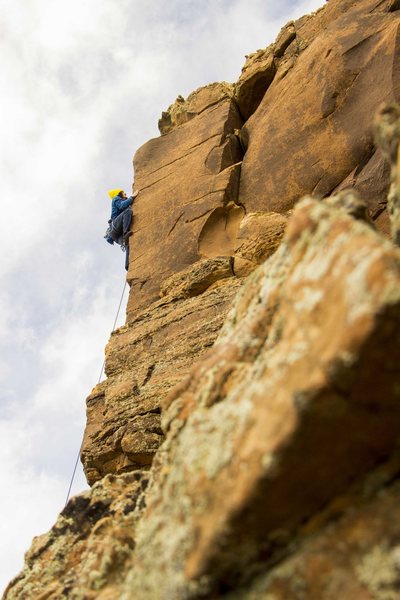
(83, 85)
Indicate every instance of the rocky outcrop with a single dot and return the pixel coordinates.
(188, 183)
(144, 359)
(258, 237)
(297, 398)
(87, 552)
(312, 130)
(257, 74)
(182, 111)
(355, 556)
(245, 441)
(312, 336)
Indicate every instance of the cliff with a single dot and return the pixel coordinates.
(245, 441)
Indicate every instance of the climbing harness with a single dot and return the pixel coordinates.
(100, 376)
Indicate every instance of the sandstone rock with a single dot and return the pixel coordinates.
(220, 230)
(259, 236)
(86, 553)
(350, 202)
(387, 135)
(184, 177)
(257, 75)
(182, 111)
(197, 278)
(297, 398)
(313, 126)
(371, 182)
(277, 59)
(356, 557)
(144, 359)
(284, 39)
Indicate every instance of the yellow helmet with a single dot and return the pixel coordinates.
(113, 193)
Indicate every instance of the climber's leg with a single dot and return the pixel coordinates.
(126, 224)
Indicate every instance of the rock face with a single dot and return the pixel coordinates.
(144, 359)
(245, 441)
(182, 111)
(312, 130)
(310, 339)
(355, 557)
(387, 135)
(304, 374)
(189, 187)
(258, 237)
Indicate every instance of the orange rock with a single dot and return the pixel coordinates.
(147, 357)
(88, 548)
(296, 399)
(258, 237)
(312, 129)
(354, 558)
(183, 177)
(182, 111)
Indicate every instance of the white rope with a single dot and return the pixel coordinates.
(100, 376)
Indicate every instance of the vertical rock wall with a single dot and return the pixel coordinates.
(188, 181)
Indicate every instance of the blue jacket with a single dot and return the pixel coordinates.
(118, 205)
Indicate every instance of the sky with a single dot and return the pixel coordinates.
(82, 84)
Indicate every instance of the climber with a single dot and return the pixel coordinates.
(121, 217)
(120, 221)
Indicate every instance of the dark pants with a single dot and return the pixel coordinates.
(121, 225)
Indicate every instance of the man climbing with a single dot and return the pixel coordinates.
(120, 222)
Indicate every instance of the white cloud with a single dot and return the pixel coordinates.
(83, 85)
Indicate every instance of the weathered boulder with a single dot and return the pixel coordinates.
(312, 129)
(298, 397)
(354, 557)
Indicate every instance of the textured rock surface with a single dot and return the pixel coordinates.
(257, 75)
(182, 111)
(356, 557)
(144, 359)
(258, 237)
(189, 183)
(312, 129)
(304, 375)
(387, 135)
(278, 471)
(87, 552)
(197, 278)
(297, 398)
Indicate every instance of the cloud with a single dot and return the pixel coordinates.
(41, 432)
(83, 86)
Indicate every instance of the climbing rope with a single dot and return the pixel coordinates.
(100, 376)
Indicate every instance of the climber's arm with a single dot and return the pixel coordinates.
(121, 204)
